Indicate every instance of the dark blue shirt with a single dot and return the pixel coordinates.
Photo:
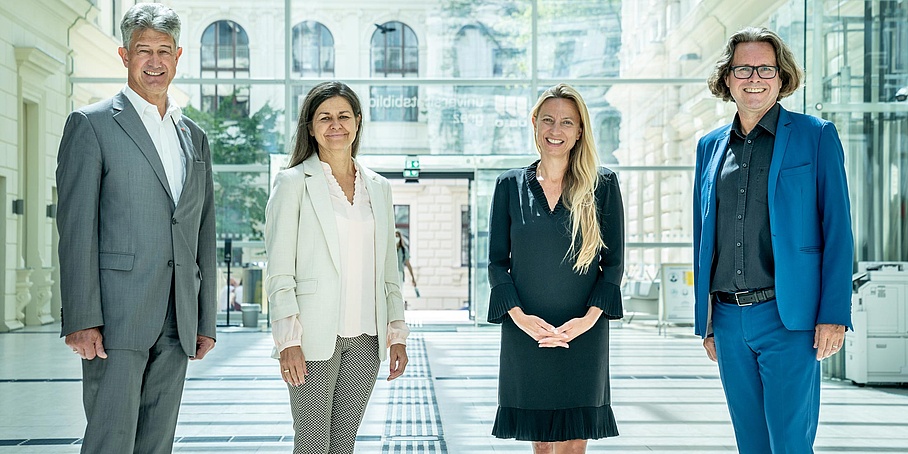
(744, 259)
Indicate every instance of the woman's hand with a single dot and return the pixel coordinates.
(293, 366)
(537, 328)
(398, 359)
(577, 326)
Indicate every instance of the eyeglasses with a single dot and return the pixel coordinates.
(745, 71)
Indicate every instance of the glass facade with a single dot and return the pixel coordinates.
(452, 81)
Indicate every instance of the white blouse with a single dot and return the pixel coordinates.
(356, 230)
(163, 132)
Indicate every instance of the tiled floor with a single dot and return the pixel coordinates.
(666, 394)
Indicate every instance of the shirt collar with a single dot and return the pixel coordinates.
(141, 105)
(768, 122)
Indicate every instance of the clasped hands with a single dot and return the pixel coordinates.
(550, 336)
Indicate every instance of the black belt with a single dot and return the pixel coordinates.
(746, 298)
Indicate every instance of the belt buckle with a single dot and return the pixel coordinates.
(740, 303)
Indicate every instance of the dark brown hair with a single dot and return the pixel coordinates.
(306, 145)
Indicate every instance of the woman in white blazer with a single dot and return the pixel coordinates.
(332, 280)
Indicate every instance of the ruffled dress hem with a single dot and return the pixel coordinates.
(581, 423)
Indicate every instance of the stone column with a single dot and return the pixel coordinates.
(37, 310)
(23, 295)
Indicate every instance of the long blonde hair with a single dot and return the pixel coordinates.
(579, 185)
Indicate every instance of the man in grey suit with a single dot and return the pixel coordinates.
(137, 245)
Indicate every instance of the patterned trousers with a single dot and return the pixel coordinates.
(329, 406)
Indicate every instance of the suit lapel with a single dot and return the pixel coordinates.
(783, 132)
(126, 116)
(379, 214)
(317, 187)
(189, 153)
(715, 162)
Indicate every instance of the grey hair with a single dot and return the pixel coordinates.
(150, 16)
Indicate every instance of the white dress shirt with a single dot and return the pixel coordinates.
(356, 229)
(163, 132)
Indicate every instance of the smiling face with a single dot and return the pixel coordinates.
(754, 96)
(334, 126)
(152, 63)
(558, 128)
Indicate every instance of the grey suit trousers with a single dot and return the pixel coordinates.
(142, 388)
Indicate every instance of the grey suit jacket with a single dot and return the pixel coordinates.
(123, 242)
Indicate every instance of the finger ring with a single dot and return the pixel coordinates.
(835, 346)
(75, 351)
(286, 370)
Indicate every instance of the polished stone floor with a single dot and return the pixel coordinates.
(666, 395)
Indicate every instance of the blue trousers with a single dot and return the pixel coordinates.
(771, 379)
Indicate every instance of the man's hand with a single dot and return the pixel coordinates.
(828, 340)
(398, 359)
(87, 343)
(710, 345)
(203, 345)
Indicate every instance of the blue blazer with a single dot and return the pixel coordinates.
(809, 218)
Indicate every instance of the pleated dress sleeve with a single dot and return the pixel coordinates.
(606, 293)
(503, 295)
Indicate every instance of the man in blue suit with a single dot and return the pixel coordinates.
(773, 247)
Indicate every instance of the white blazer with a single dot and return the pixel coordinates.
(302, 244)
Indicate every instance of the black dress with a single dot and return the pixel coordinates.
(552, 394)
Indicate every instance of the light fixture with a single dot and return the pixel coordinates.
(902, 94)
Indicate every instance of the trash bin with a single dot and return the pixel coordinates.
(252, 285)
(251, 315)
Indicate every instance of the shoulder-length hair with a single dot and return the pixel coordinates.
(789, 71)
(579, 184)
(305, 144)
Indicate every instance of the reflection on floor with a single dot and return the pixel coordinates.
(666, 394)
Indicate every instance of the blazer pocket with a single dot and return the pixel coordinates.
(306, 286)
(116, 261)
(199, 166)
(792, 171)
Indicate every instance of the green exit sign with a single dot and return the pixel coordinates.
(411, 169)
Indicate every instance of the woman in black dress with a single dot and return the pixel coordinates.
(556, 258)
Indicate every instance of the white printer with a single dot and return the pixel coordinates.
(876, 352)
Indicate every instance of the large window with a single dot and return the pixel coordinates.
(453, 81)
(313, 56)
(476, 52)
(313, 50)
(395, 54)
(225, 55)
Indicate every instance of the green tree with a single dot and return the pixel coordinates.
(237, 138)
